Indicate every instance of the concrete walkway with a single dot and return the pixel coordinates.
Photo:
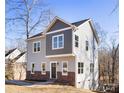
(18, 82)
(28, 83)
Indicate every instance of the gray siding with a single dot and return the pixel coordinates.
(67, 43)
(58, 25)
(36, 58)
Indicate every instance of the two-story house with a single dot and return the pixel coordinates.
(66, 52)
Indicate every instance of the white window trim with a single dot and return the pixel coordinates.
(57, 42)
(33, 46)
(64, 74)
(31, 68)
(80, 68)
(44, 73)
(60, 30)
(76, 41)
(51, 69)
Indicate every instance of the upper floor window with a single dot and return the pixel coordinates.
(91, 67)
(76, 41)
(43, 68)
(36, 46)
(94, 47)
(58, 41)
(87, 45)
(80, 67)
(64, 68)
(32, 68)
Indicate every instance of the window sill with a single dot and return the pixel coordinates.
(43, 73)
(57, 48)
(32, 73)
(36, 52)
(64, 74)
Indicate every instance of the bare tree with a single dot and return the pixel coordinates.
(108, 57)
(24, 18)
(9, 69)
(20, 44)
(115, 7)
(29, 15)
(108, 62)
(114, 55)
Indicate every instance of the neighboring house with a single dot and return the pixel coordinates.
(11, 54)
(65, 52)
(19, 59)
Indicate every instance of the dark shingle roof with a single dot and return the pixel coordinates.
(19, 56)
(75, 23)
(79, 22)
(39, 34)
(10, 51)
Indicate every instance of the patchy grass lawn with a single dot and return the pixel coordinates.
(44, 89)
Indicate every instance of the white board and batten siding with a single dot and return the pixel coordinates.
(85, 34)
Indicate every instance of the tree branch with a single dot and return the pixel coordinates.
(17, 18)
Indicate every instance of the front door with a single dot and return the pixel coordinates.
(53, 70)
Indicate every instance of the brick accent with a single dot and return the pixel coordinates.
(37, 75)
(69, 79)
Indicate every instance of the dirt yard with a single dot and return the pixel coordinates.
(44, 89)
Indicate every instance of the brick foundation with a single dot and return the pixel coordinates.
(69, 79)
(37, 75)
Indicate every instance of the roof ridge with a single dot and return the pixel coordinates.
(10, 51)
(81, 20)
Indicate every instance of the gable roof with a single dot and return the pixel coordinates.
(39, 34)
(9, 51)
(54, 20)
(79, 22)
(19, 56)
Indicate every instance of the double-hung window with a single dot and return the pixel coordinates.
(91, 67)
(80, 67)
(32, 68)
(43, 68)
(76, 41)
(64, 68)
(87, 45)
(36, 46)
(58, 41)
